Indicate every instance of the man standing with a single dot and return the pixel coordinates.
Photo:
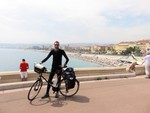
(57, 54)
(23, 68)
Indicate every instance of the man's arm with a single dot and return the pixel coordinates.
(27, 66)
(66, 57)
(143, 62)
(48, 56)
(20, 65)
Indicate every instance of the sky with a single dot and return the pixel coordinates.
(74, 21)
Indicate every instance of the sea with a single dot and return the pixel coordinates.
(10, 60)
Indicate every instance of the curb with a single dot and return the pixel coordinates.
(18, 85)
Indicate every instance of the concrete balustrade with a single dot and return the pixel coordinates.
(100, 71)
(11, 80)
(9, 77)
(14, 76)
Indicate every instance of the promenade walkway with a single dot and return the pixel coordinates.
(128, 95)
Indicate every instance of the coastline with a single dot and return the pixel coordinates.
(102, 60)
(106, 60)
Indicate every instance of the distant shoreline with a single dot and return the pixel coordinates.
(102, 60)
(106, 60)
(86, 57)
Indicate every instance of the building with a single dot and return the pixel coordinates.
(102, 49)
(95, 49)
(142, 44)
(122, 46)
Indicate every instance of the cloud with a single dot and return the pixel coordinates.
(74, 20)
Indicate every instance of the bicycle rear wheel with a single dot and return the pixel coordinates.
(68, 92)
(35, 89)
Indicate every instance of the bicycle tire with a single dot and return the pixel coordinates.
(35, 89)
(68, 92)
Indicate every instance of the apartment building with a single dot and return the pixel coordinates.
(142, 44)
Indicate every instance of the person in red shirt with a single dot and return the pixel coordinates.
(23, 70)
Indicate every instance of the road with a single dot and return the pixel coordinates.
(128, 95)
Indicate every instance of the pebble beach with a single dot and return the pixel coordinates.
(105, 60)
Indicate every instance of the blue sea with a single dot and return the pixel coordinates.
(10, 60)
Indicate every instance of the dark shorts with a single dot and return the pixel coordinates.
(54, 69)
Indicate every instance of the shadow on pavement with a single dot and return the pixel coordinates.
(55, 102)
(40, 102)
(79, 98)
(60, 102)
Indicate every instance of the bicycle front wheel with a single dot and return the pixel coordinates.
(35, 89)
(68, 92)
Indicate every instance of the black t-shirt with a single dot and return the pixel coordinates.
(57, 57)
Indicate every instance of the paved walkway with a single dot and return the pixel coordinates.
(130, 95)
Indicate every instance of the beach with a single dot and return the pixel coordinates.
(105, 60)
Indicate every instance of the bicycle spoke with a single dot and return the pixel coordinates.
(35, 89)
(68, 92)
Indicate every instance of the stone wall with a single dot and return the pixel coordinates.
(7, 77)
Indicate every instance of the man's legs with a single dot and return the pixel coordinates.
(48, 86)
(50, 81)
(23, 76)
(148, 71)
(58, 83)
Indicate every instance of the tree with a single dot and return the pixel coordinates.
(102, 51)
(114, 52)
(135, 50)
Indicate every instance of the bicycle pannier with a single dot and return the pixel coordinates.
(70, 78)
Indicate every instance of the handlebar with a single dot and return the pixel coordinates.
(39, 68)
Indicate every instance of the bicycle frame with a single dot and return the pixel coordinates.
(42, 77)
